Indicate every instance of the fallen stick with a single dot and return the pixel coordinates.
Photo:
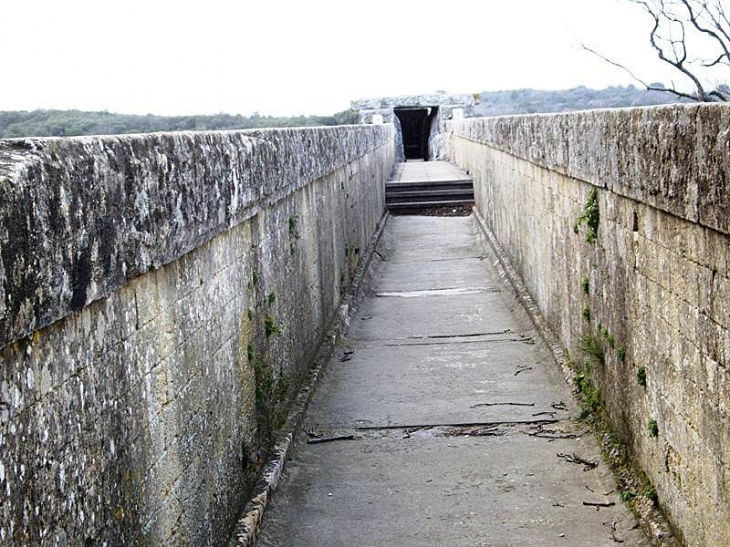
(313, 433)
(542, 433)
(503, 404)
(331, 439)
(467, 424)
(575, 458)
(599, 504)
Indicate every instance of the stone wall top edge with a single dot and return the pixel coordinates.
(672, 157)
(21, 142)
(614, 110)
(434, 99)
(80, 216)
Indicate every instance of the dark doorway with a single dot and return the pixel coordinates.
(416, 127)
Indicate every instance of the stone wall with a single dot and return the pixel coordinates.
(161, 298)
(445, 102)
(652, 289)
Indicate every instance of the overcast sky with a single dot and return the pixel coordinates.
(286, 57)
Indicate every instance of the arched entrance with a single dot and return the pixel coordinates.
(416, 127)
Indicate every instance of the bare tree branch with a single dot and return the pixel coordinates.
(696, 23)
(681, 25)
(639, 80)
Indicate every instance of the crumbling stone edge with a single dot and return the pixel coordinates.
(248, 527)
(651, 519)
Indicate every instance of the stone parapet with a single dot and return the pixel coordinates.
(164, 297)
(644, 284)
(80, 216)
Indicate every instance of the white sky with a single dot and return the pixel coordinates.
(286, 57)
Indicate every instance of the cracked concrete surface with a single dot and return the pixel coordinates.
(458, 415)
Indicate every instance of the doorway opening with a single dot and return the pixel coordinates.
(416, 128)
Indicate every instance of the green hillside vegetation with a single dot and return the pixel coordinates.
(66, 123)
(42, 123)
(531, 101)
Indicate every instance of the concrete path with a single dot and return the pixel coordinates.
(458, 413)
(414, 171)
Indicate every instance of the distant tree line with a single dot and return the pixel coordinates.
(530, 101)
(41, 123)
(66, 123)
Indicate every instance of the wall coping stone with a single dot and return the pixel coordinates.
(80, 216)
(675, 157)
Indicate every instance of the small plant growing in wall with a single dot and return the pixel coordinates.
(294, 227)
(585, 285)
(264, 383)
(587, 314)
(641, 376)
(271, 298)
(651, 493)
(250, 352)
(271, 327)
(590, 217)
(591, 396)
(621, 354)
(627, 495)
(592, 346)
(255, 277)
(653, 428)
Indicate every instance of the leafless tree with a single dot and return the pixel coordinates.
(693, 37)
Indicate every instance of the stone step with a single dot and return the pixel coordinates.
(425, 184)
(431, 195)
(420, 204)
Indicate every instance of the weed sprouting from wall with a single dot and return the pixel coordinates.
(271, 298)
(593, 347)
(651, 493)
(264, 384)
(294, 227)
(641, 376)
(351, 251)
(653, 428)
(590, 216)
(586, 314)
(591, 396)
(585, 285)
(627, 495)
(271, 327)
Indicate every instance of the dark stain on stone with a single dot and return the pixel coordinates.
(19, 278)
(107, 247)
(20, 144)
(80, 279)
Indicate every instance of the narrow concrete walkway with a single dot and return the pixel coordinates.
(458, 413)
(415, 171)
